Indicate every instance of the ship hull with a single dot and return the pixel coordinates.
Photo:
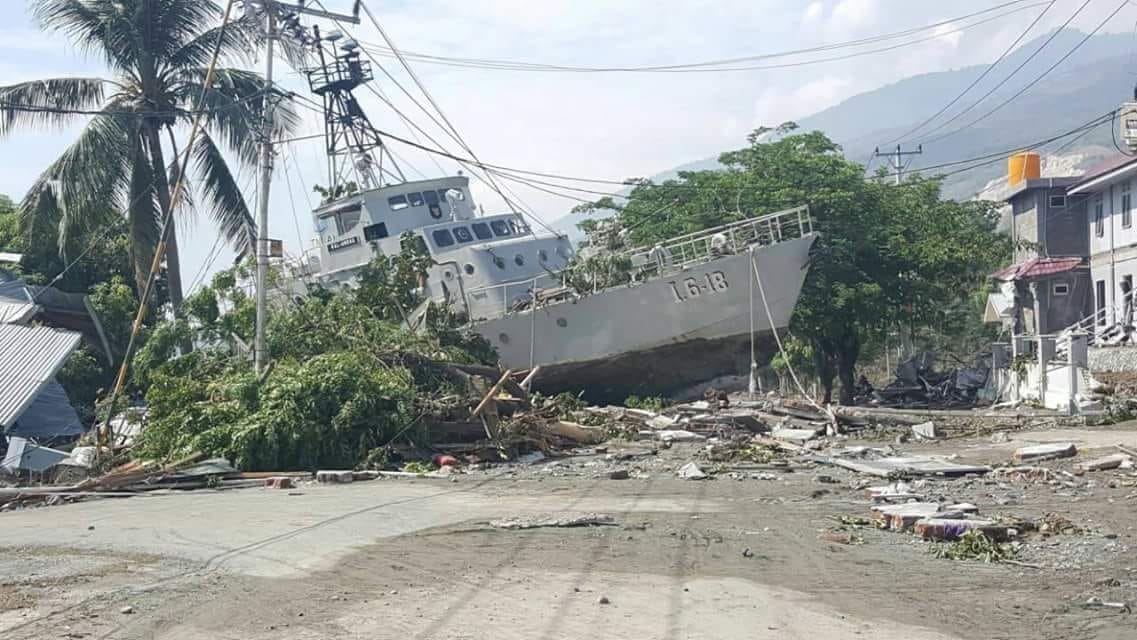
(662, 335)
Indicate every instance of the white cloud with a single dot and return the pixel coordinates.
(776, 106)
(813, 12)
(851, 15)
(948, 34)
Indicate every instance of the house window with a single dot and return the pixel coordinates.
(1100, 295)
(1061, 289)
(482, 231)
(442, 237)
(376, 231)
(1126, 206)
(1099, 216)
(1057, 202)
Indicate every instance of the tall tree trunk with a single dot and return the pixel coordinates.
(847, 355)
(173, 261)
(823, 362)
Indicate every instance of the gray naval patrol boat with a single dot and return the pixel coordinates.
(686, 310)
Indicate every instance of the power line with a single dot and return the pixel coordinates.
(1033, 82)
(719, 65)
(425, 91)
(521, 176)
(983, 75)
(31, 108)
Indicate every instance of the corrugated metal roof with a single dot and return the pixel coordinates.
(29, 359)
(50, 415)
(1037, 268)
(16, 304)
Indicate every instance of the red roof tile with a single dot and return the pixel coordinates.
(1037, 268)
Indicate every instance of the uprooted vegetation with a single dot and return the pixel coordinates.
(345, 381)
(974, 545)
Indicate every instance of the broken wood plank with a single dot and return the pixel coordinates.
(492, 392)
(576, 432)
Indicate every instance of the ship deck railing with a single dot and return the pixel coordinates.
(672, 256)
(686, 251)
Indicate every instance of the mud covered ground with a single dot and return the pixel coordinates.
(731, 557)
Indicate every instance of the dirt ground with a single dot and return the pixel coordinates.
(731, 557)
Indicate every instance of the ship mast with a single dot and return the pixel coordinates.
(355, 150)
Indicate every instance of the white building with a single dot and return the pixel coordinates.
(1107, 193)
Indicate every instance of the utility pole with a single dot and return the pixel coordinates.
(291, 12)
(896, 159)
(260, 348)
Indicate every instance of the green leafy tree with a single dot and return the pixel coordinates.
(888, 255)
(158, 51)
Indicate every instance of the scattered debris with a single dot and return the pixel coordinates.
(588, 520)
(691, 471)
(1098, 603)
(334, 477)
(925, 430)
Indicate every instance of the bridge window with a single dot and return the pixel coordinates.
(397, 203)
(376, 231)
(442, 237)
(345, 219)
(416, 199)
(463, 234)
(501, 228)
(482, 231)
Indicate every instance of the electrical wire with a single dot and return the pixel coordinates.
(1036, 80)
(425, 92)
(31, 108)
(979, 79)
(718, 65)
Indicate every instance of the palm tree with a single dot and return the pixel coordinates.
(158, 52)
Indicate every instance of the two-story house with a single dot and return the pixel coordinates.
(1107, 192)
(1047, 286)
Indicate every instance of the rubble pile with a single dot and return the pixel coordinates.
(919, 385)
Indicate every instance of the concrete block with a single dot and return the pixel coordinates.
(797, 435)
(952, 529)
(903, 516)
(1102, 464)
(679, 435)
(279, 482)
(334, 477)
(1048, 451)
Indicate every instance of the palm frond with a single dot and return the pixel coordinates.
(84, 188)
(48, 102)
(106, 28)
(239, 44)
(228, 207)
(172, 24)
(236, 103)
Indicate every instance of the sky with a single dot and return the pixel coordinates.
(601, 125)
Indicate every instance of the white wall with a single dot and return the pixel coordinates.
(1117, 238)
